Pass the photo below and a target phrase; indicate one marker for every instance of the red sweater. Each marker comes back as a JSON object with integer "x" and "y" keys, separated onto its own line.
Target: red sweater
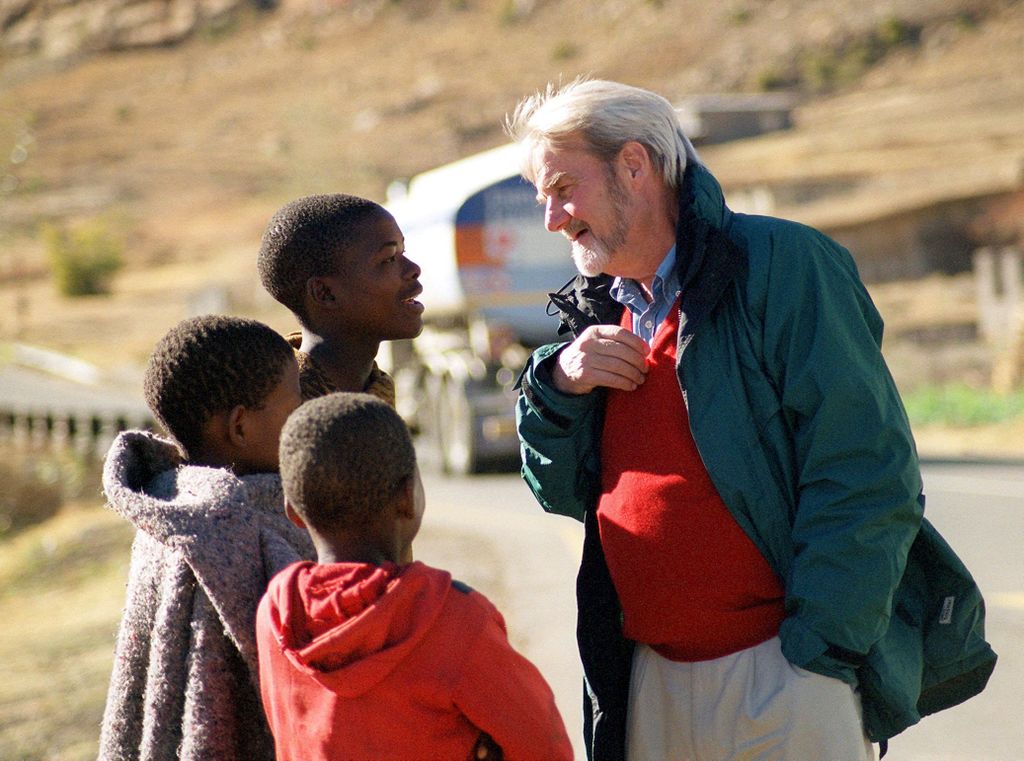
{"x": 395, "y": 662}
{"x": 691, "y": 583}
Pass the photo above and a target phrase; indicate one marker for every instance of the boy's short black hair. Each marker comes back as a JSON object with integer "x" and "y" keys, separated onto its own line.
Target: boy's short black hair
{"x": 302, "y": 239}
{"x": 343, "y": 456}
{"x": 210, "y": 364}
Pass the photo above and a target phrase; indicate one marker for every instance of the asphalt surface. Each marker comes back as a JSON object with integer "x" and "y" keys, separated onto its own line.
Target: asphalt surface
{"x": 979, "y": 509}
{"x": 490, "y": 533}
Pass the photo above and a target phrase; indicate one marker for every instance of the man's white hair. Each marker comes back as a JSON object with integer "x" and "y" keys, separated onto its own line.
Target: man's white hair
{"x": 604, "y": 116}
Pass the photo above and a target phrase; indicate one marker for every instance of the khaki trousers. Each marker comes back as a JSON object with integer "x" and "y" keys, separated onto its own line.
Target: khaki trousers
{"x": 751, "y": 705}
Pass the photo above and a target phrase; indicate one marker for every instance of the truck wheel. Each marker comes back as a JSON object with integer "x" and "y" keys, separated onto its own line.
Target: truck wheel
{"x": 456, "y": 429}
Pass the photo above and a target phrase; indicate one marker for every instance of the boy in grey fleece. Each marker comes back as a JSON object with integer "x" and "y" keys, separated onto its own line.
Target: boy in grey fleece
{"x": 208, "y": 507}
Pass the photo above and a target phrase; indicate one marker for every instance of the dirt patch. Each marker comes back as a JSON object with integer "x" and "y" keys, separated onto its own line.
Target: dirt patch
{"x": 1005, "y": 440}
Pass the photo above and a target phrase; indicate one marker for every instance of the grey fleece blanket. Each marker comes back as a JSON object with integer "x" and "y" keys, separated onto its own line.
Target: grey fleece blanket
{"x": 185, "y": 678}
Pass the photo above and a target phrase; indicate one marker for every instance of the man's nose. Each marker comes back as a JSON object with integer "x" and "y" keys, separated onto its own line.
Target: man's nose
{"x": 555, "y": 216}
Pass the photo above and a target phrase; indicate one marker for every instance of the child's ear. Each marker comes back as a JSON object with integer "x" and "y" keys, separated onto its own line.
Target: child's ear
{"x": 405, "y": 500}
{"x": 293, "y": 516}
{"x": 236, "y": 424}
{"x": 320, "y": 291}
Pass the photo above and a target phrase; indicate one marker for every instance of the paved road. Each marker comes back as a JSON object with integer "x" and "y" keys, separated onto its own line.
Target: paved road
{"x": 980, "y": 511}
{"x": 491, "y": 534}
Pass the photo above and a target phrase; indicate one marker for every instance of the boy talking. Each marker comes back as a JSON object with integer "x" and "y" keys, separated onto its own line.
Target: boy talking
{"x": 338, "y": 263}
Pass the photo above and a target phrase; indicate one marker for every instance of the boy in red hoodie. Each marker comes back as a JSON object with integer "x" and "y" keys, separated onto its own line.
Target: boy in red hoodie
{"x": 363, "y": 656}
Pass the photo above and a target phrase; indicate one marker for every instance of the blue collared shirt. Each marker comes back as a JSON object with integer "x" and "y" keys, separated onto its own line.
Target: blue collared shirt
{"x": 665, "y": 289}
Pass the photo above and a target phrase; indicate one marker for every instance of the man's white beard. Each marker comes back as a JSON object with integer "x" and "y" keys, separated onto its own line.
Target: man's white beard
{"x": 590, "y": 261}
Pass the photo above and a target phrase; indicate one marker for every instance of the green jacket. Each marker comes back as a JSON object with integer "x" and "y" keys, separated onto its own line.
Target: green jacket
{"x": 803, "y": 433}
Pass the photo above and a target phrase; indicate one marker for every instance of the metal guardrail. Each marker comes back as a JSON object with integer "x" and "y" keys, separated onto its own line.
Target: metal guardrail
{"x": 49, "y": 401}
{"x": 88, "y": 435}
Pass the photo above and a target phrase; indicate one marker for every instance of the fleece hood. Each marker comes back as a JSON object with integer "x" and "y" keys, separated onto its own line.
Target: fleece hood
{"x": 230, "y": 530}
{"x": 349, "y": 625}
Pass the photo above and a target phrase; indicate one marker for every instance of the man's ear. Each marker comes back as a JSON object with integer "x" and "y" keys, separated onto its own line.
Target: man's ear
{"x": 320, "y": 291}
{"x": 293, "y": 516}
{"x": 634, "y": 159}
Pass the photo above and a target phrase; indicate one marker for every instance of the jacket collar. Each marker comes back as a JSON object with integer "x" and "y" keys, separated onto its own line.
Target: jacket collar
{"x": 709, "y": 260}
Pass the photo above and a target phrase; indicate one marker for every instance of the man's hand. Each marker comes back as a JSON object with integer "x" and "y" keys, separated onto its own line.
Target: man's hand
{"x": 603, "y": 355}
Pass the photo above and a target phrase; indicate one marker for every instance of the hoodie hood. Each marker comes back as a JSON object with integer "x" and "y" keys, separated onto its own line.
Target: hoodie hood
{"x": 230, "y": 530}
{"x": 349, "y": 625}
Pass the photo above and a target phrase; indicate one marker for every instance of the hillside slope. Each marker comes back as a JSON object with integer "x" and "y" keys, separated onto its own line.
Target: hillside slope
{"x": 185, "y": 151}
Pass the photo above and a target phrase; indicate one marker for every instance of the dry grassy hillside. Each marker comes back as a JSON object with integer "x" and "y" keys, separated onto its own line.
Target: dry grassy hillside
{"x": 185, "y": 151}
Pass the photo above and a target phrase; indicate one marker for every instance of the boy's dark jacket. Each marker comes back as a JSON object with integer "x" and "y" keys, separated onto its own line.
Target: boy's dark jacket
{"x": 803, "y": 433}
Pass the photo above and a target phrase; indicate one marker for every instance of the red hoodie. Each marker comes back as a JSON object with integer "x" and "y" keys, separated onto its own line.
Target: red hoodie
{"x": 395, "y": 662}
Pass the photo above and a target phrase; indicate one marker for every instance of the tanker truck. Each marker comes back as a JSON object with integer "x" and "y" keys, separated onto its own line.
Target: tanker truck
{"x": 477, "y": 231}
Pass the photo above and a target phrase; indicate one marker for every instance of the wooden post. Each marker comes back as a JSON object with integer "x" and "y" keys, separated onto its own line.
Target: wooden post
{"x": 1004, "y": 312}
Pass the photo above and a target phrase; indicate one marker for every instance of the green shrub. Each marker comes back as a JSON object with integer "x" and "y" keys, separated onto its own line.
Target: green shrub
{"x": 824, "y": 69}
{"x": 564, "y": 50}
{"x": 740, "y": 15}
{"x": 960, "y": 405}
{"x": 894, "y": 31}
{"x": 83, "y": 259}
{"x": 773, "y": 78}
{"x": 38, "y": 483}
{"x": 29, "y": 497}
{"x": 220, "y": 28}
{"x": 967, "y": 21}
{"x": 511, "y": 12}
{"x": 26, "y": 501}
{"x": 818, "y": 70}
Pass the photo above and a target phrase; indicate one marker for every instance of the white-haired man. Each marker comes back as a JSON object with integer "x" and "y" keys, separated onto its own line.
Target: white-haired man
{"x": 725, "y": 426}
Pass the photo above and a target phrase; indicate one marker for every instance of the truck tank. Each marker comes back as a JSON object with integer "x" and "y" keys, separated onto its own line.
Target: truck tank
{"x": 488, "y": 264}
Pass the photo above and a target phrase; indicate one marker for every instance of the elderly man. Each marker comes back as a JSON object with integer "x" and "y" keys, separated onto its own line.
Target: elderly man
{"x": 724, "y": 424}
